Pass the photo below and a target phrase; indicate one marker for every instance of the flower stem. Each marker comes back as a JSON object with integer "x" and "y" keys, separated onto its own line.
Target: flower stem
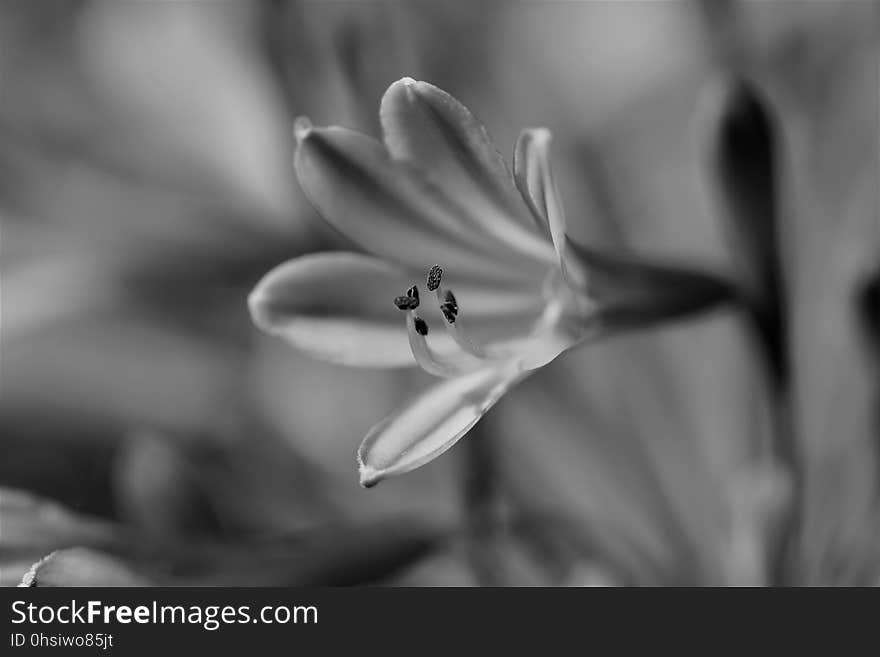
{"x": 479, "y": 495}
{"x": 771, "y": 333}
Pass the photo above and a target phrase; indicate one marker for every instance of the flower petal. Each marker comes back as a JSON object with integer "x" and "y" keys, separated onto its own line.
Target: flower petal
{"x": 80, "y": 566}
{"x": 337, "y": 307}
{"x": 631, "y": 292}
{"x": 391, "y": 210}
{"x": 432, "y": 422}
{"x": 429, "y": 128}
{"x": 537, "y": 351}
{"x": 534, "y": 179}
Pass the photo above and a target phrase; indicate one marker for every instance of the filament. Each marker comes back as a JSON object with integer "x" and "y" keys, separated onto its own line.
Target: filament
{"x": 449, "y": 309}
{"x": 428, "y": 359}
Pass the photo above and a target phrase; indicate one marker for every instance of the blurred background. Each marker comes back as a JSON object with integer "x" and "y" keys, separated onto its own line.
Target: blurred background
{"x": 152, "y": 434}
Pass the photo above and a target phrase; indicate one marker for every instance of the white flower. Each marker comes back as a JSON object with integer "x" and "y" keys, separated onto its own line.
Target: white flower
{"x": 505, "y": 291}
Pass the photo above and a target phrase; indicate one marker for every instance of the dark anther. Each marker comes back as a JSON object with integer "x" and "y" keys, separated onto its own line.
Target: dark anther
{"x": 421, "y": 326}
{"x": 403, "y": 302}
{"x": 449, "y": 298}
{"x": 449, "y": 307}
{"x": 434, "y": 277}
{"x": 413, "y": 293}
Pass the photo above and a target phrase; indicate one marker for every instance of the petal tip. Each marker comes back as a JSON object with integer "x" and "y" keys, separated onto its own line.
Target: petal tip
{"x": 413, "y": 89}
{"x": 302, "y": 126}
{"x": 255, "y": 301}
{"x": 403, "y": 90}
{"x": 258, "y": 304}
{"x": 369, "y": 476}
{"x": 539, "y": 134}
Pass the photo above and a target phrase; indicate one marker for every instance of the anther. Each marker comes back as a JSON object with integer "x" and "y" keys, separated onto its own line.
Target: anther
{"x": 421, "y": 326}
{"x": 433, "y": 362}
{"x": 403, "y": 302}
{"x": 449, "y": 307}
{"x": 408, "y": 301}
{"x": 449, "y": 300}
{"x": 435, "y": 275}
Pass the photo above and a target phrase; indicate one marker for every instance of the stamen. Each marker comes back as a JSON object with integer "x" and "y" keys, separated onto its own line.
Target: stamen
{"x": 403, "y": 302}
{"x": 408, "y": 301}
{"x": 435, "y": 275}
{"x": 427, "y": 358}
{"x": 455, "y": 330}
{"x": 449, "y": 307}
{"x": 420, "y": 325}
{"x": 417, "y": 331}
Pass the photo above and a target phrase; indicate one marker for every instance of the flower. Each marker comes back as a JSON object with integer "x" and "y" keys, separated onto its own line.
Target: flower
{"x": 505, "y": 290}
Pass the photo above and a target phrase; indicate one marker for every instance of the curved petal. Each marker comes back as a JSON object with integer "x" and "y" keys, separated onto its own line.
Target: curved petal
{"x": 538, "y": 351}
{"x": 534, "y": 179}
{"x": 337, "y": 307}
{"x": 81, "y": 566}
{"x": 431, "y": 423}
{"x": 564, "y": 324}
{"x": 531, "y": 173}
{"x": 429, "y": 128}
{"x": 390, "y": 209}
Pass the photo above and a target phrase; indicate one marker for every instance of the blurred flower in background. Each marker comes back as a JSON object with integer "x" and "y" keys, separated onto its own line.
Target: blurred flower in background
{"x": 151, "y": 435}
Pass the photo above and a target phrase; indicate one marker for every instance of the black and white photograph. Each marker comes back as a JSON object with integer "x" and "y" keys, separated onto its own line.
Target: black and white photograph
{"x": 423, "y": 294}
